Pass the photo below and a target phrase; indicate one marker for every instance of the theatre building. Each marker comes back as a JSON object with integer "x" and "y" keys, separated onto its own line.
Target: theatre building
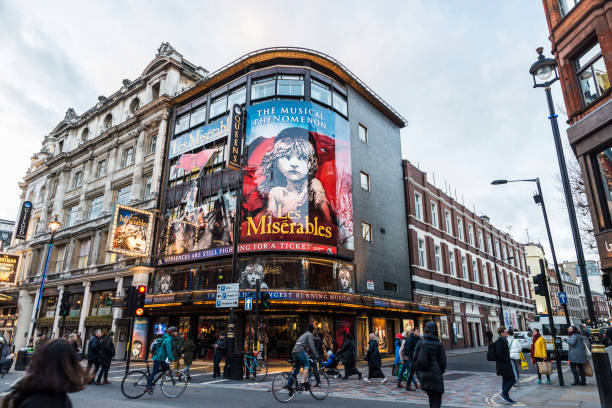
{"x": 321, "y": 224}
{"x": 460, "y": 261}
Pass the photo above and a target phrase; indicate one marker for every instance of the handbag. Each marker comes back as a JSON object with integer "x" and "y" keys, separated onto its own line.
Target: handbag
{"x": 524, "y": 364}
{"x": 588, "y": 369}
{"x": 588, "y": 352}
{"x": 545, "y": 367}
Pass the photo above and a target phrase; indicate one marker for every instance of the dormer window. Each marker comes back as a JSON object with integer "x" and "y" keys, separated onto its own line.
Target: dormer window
{"x": 155, "y": 91}
{"x": 134, "y": 105}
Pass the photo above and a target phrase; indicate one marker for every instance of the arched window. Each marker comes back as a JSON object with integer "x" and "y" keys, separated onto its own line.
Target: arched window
{"x": 84, "y": 134}
{"x": 134, "y": 105}
{"x": 108, "y": 121}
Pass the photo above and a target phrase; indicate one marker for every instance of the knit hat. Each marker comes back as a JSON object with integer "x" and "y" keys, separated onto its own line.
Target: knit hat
{"x": 111, "y": 333}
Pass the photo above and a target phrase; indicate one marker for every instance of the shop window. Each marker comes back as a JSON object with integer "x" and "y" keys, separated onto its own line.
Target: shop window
{"x": 198, "y": 116}
{"x": 98, "y": 303}
{"x": 379, "y": 327}
{"x": 218, "y": 106}
{"x": 604, "y": 180}
{"x": 592, "y": 74}
{"x": 363, "y": 133}
{"x": 290, "y": 85}
{"x": 263, "y": 88}
{"x": 390, "y": 286}
{"x": 320, "y": 92}
{"x": 182, "y": 123}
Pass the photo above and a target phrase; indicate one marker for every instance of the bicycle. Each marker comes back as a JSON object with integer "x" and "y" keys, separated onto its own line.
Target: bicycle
{"x": 318, "y": 390}
{"x": 256, "y": 365}
{"x": 134, "y": 384}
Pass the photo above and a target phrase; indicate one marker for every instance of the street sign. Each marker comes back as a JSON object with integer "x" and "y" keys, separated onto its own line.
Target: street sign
{"x": 562, "y": 298}
{"x": 227, "y": 295}
{"x": 248, "y": 303}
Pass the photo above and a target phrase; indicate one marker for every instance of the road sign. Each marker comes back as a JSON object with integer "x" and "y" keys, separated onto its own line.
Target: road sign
{"x": 562, "y": 298}
{"x": 248, "y": 303}
{"x": 227, "y": 295}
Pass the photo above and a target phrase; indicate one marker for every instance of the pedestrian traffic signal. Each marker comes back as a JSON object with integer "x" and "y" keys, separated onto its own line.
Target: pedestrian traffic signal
{"x": 128, "y": 302}
{"x": 539, "y": 284}
{"x": 265, "y": 299}
{"x": 65, "y": 304}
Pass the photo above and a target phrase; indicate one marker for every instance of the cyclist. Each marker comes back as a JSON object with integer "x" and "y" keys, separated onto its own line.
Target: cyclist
{"x": 304, "y": 344}
{"x": 162, "y": 354}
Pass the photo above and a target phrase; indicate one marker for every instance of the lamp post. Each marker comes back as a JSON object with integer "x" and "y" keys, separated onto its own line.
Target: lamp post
{"x": 53, "y": 227}
{"x": 539, "y": 199}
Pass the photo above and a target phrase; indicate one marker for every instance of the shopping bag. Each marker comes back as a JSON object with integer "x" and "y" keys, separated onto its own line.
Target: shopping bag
{"x": 588, "y": 369}
{"x": 524, "y": 364}
{"x": 545, "y": 367}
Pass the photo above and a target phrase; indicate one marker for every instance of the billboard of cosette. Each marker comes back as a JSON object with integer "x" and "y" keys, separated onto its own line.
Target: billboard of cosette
{"x": 131, "y": 231}
{"x": 297, "y": 181}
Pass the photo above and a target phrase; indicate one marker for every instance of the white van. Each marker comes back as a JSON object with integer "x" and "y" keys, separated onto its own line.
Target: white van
{"x": 561, "y": 325}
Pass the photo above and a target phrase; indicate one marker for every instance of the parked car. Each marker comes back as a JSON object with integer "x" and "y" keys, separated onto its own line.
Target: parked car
{"x": 524, "y": 338}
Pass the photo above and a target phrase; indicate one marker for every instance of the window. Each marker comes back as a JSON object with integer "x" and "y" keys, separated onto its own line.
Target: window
{"x": 422, "y": 253}
{"x": 485, "y": 275}
{"x": 475, "y": 271}
{"x": 363, "y": 133}
{"x": 451, "y": 262}
{"x": 95, "y": 207}
{"x": 489, "y": 245}
{"x": 182, "y": 123}
{"x": 98, "y": 303}
{"x": 418, "y": 206}
{"x": 290, "y": 85}
{"x": 392, "y": 287}
{"x": 494, "y": 277}
{"x": 502, "y": 280}
{"x": 365, "y": 181}
{"x": 128, "y": 156}
{"x": 71, "y": 215}
{"x": 108, "y": 121}
{"x": 218, "y": 106}
{"x": 320, "y": 92}
{"x": 447, "y": 220}
{"x": 366, "y": 230}
{"x": 60, "y": 147}
{"x": 60, "y": 253}
{"x": 262, "y": 88}
{"x": 339, "y": 103}
{"x": 83, "y": 253}
{"x": 434, "y": 214}
{"x": 122, "y": 195}
{"x": 464, "y": 267}
{"x": 505, "y": 253}
{"x": 198, "y": 116}
{"x": 101, "y": 170}
{"x": 134, "y": 105}
{"x": 592, "y": 74}
{"x": 480, "y": 240}
{"x": 236, "y": 96}
{"x": 78, "y": 179}
{"x": 153, "y": 144}
{"x": 458, "y": 326}
{"x": 84, "y": 134}
{"x": 148, "y": 181}
{"x": 444, "y": 327}
{"x": 438, "y": 258}
{"x": 567, "y": 5}
{"x": 471, "y": 234}
{"x": 497, "y": 250}
{"x": 460, "y": 228}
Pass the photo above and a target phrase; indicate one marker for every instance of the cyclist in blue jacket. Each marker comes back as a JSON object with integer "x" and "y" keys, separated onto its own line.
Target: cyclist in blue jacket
{"x": 162, "y": 355}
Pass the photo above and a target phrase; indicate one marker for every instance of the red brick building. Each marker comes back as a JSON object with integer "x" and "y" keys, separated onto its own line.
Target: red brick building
{"x": 455, "y": 259}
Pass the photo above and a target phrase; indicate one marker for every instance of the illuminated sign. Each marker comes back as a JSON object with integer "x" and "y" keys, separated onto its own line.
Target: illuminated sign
{"x": 237, "y": 124}
{"x": 131, "y": 231}
{"x": 24, "y": 220}
{"x": 8, "y": 268}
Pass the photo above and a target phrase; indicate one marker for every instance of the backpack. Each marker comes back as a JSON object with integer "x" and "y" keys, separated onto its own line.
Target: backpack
{"x": 491, "y": 352}
{"x": 155, "y": 345}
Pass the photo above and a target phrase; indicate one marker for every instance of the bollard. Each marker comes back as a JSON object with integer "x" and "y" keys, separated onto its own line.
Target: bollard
{"x": 601, "y": 368}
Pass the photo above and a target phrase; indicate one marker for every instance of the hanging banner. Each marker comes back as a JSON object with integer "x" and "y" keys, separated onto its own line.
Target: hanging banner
{"x": 131, "y": 231}
{"x": 139, "y": 338}
{"x": 8, "y": 268}
{"x": 237, "y": 125}
{"x": 24, "y": 220}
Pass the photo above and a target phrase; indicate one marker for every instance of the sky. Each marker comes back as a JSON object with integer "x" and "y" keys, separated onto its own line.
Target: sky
{"x": 458, "y": 71}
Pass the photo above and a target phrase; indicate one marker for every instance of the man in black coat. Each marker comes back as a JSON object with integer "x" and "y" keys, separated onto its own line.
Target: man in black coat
{"x": 430, "y": 363}
{"x": 93, "y": 354}
{"x": 349, "y": 357}
{"x": 503, "y": 364}
{"x": 107, "y": 352}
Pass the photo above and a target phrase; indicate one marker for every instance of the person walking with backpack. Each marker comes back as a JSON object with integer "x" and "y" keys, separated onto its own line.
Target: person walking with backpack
{"x": 107, "y": 352}
{"x": 163, "y": 352}
{"x": 93, "y": 355}
{"x": 177, "y": 350}
{"x": 374, "y": 361}
{"x": 577, "y": 355}
{"x": 348, "y": 355}
{"x": 503, "y": 364}
{"x": 515, "y": 355}
{"x": 430, "y": 363}
{"x": 188, "y": 353}
{"x": 538, "y": 353}
{"x": 408, "y": 353}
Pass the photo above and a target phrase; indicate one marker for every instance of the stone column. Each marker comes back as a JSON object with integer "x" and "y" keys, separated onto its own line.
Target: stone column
{"x": 25, "y": 306}
{"x": 58, "y": 201}
{"x": 55, "y": 331}
{"x": 69, "y": 255}
{"x": 157, "y": 165}
{"x": 107, "y": 206}
{"x": 84, "y": 308}
{"x": 82, "y": 217}
{"x": 42, "y": 224}
{"x": 117, "y": 310}
{"x": 137, "y": 185}
{"x": 95, "y": 250}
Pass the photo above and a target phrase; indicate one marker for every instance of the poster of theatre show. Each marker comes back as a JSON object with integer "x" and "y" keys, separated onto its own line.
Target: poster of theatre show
{"x": 131, "y": 231}
{"x": 297, "y": 181}
{"x": 139, "y": 338}
{"x": 8, "y": 268}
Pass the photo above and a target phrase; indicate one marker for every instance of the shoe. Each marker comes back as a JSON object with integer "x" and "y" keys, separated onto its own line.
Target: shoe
{"x": 287, "y": 387}
{"x": 507, "y": 400}
{"x": 360, "y": 375}
{"x": 106, "y": 382}
{"x": 149, "y": 390}
{"x": 539, "y": 382}
{"x": 409, "y": 388}
{"x": 366, "y": 379}
{"x": 188, "y": 378}
{"x": 399, "y": 385}
{"x": 548, "y": 382}
{"x": 513, "y": 401}
{"x": 384, "y": 380}
{"x": 97, "y": 383}
{"x": 418, "y": 386}
{"x": 576, "y": 383}
{"x": 584, "y": 383}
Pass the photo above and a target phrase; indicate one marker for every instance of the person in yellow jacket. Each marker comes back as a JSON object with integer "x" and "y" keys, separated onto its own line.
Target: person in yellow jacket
{"x": 538, "y": 353}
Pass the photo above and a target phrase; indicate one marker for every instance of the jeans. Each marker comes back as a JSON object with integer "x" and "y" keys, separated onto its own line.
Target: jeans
{"x": 299, "y": 360}
{"x": 186, "y": 369}
{"x": 435, "y": 399}
{"x": 516, "y": 367}
{"x": 158, "y": 367}
{"x": 103, "y": 372}
{"x": 411, "y": 377}
{"x": 96, "y": 365}
{"x": 216, "y": 364}
{"x": 578, "y": 368}
{"x": 507, "y": 383}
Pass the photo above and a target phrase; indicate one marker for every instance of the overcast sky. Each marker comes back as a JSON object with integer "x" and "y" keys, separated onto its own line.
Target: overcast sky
{"x": 456, "y": 70}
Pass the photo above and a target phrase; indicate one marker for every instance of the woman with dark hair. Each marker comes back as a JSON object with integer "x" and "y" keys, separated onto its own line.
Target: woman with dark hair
{"x": 430, "y": 363}
{"x": 53, "y": 372}
{"x": 374, "y": 361}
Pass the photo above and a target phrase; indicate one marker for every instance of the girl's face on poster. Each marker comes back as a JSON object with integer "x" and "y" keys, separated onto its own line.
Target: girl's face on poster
{"x": 294, "y": 164}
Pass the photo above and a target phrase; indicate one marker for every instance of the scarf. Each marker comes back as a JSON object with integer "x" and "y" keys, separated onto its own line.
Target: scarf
{"x": 533, "y": 342}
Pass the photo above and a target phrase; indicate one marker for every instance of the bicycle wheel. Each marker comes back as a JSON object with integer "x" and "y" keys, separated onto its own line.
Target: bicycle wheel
{"x": 134, "y": 385}
{"x": 173, "y": 383}
{"x": 261, "y": 370}
{"x": 278, "y": 388}
{"x": 318, "y": 392}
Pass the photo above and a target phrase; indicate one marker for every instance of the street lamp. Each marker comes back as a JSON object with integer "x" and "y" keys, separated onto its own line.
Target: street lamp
{"x": 53, "y": 226}
{"x": 539, "y": 199}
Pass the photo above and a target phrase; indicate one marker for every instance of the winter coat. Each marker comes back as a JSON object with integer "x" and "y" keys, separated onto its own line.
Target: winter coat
{"x": 503, "y": 364}
{"x": 164, "y": 350}
{"x": 515, "y": 348}
{"x": 410, "y": 346}
{"x": 373, "y": 355}
{"x": 107, "y": 351}
{"x": 188, "y": 351}
{"x": 42, "y": 399}
{"x": 577, "y": 352}
{"x": 93, "y": 351}
{"x": 347, "y": 352}
{"x": 398, "y": 346}
{"x": 539, "y": 348}
{"x": 221, "y": 345}
{"x": 5, "y": 351}
{"x": 318, "y": 345}
{"x": 430, "y": 363}
{"x": 177, "y": 347}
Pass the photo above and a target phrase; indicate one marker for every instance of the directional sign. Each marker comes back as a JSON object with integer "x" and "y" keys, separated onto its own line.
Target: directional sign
{"x": 227, "y": 295}
{"x": 562, "y": 298}
{"x": 248, "y": 303}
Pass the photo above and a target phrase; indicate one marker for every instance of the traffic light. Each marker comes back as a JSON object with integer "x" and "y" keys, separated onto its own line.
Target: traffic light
{"x": 265, "y": 299}
{"x": 141, "y": 294}
{"x": 539, "y": 284}
{"x": 65, "y": 304}
{"x": 127, "y": 304}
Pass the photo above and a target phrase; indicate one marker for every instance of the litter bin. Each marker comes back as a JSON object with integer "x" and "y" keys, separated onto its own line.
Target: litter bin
{"x": 237, "y": 366}
{"x": 20, "y": 362}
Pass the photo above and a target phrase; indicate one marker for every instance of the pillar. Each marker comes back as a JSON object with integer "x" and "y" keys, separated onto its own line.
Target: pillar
{"x": 136, "y": 191}
{"x": 95, "y": 250}
{"x": 25, "y": 306}
{"x": 58, "y": 201}
{"x": 55, "y": 330}
{"x": 42, "y": 224}
{"x": 107, "y": 206}
{"x": 117, "y": 310}
{"x": 84, "y": 308}
{"x": 157, "y": 164}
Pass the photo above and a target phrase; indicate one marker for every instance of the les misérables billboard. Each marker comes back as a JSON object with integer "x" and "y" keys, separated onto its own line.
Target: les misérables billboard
{"x": 131, "y": 231}
{"x": 297, "y": 181}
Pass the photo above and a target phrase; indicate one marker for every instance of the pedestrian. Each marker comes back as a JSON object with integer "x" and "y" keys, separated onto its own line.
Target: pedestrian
{"x": 220, "y": 347}
{"x": 577, "y": 355}
{"x": 538, "y": 353}
{"x": 177, "y": 350}
{"x": 107, "y": 352}
{"x": 489, "y": 335}
{"x": 374, "y": 361}
{"x": 73, "y": 340}
{"x": 93, "y": 354}
{"x": 162, "y": 351}
{"x": 6, "y": 360}
{"x": 397, "y": 363}
{"x": 409, "y": 347}
{"x": 503, "y": 364}
{"x": 430, "y": 363}
{"x": 53, "y": 373}
{"x": 515, "y": 355}
{"x": 348, "y": 355}
{"x": 188, "y": 353}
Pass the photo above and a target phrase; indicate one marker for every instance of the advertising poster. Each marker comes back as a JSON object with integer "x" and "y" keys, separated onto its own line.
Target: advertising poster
{"x": 297, "y": 181}
{"x": 139, "y": 338}
{"x": 8, "y": 268}
{"x": 379, "y": 325}
{"x": 344, "y": 326}
{"x": 131, "y": 231}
